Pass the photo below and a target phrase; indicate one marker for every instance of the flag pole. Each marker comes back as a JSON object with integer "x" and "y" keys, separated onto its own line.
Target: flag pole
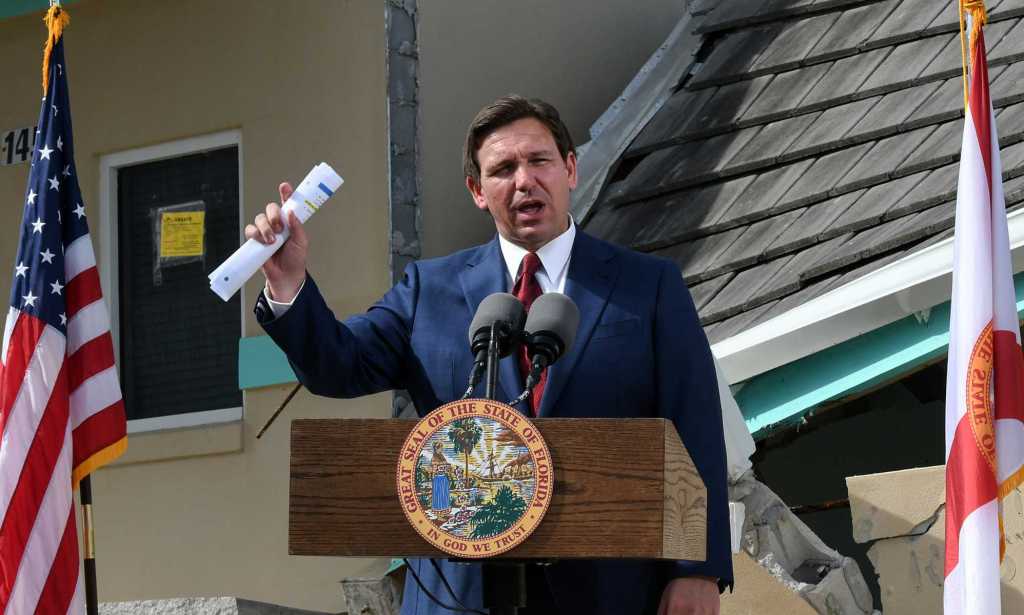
{"x": 55, "y": 20}
{"x": 88, "y": 547}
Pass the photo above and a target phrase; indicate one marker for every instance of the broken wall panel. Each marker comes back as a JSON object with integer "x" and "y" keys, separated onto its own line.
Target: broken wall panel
{"x": 900, "y": 516}
{"x": 808, "y": 465}
{"x": 792, "y": 554}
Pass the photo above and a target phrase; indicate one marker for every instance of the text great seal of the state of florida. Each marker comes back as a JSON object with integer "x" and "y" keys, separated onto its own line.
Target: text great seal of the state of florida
{"x": 475, "y": 478}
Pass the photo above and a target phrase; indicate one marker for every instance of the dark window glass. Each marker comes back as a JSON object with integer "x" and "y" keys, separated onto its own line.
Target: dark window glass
{"x": 179, "y": 341}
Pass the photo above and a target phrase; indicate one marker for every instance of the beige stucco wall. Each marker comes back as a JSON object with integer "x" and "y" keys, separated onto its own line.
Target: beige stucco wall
{"x": 902, "y": 515}
{"x": 303, "y": 81}
{"x": 576, "y": 54}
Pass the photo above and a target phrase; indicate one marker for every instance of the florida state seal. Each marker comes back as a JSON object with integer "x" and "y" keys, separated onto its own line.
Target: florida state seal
{"x": 979, "y": 396}
{"x": 475, "y": 478}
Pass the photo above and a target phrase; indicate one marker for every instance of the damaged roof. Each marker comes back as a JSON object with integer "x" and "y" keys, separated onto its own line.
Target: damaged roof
{"x": 810, "y": 143}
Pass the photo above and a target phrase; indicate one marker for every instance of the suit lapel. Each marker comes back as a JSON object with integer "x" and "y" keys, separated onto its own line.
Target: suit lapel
{"x": 484, "y": 275}
{"x": 592, "y": 273}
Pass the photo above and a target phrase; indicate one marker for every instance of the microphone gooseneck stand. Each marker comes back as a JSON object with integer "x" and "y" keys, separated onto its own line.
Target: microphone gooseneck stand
{"x": 504, "y": 583}
{"x": 492, "y": 363}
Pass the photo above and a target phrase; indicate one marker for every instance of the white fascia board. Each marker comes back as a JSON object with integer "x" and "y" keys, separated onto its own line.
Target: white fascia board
{"x": 910, "y": 285}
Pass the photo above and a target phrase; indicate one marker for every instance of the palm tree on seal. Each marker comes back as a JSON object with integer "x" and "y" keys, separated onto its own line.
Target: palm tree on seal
{"x": 499, "y": 514}
{"x": 464, "y": 434}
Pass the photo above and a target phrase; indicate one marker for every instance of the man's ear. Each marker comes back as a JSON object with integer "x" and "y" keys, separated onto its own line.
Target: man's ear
{"x": 570, "y": 165}
{"x": 473, "y": 186}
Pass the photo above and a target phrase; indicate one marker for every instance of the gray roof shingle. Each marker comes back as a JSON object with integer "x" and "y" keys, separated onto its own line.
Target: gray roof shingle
{"x": 811, "y": 144}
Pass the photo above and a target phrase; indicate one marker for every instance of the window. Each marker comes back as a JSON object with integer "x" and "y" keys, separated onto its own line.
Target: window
{"x": 172, "y": 217}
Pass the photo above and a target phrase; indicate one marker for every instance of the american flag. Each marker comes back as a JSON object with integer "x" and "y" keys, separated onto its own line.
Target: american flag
{"x": 61, "y": 412}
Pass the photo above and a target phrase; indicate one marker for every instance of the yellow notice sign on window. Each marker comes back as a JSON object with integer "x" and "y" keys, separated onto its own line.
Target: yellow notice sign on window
{"x": 181, "y": 233}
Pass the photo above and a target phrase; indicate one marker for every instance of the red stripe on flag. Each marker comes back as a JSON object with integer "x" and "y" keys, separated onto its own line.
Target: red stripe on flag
{"x": 970, "y": 483}
{"x": 82, "y": 290}
{"x": 90, "y": 359}
{"x": 35, "y": 477}
{"x": 980, "y": 105}
{"x": 1008, "y": 371}
{"x": 98, "y": 432}
{"x": 21, "y": 347}
{"x": 59, "y": 588}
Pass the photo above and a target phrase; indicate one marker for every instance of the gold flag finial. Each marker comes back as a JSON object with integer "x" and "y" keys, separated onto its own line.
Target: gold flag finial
{"x": 56, "y": 19}
{"x": 979, "y": 17}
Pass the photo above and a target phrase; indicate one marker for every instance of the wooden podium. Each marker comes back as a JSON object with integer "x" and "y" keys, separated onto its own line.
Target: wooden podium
{"x": 624, "y": 488}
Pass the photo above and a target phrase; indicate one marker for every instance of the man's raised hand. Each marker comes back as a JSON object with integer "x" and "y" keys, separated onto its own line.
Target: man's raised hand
{"x": 286, "y": 269}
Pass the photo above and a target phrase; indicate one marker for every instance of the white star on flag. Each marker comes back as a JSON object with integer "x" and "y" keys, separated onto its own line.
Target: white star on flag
{"x": 65, "y": 415}
{"x": 79, "y": 210}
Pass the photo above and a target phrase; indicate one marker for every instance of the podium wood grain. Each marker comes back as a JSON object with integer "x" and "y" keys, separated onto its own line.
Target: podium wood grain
{"x": 624, "y": 488}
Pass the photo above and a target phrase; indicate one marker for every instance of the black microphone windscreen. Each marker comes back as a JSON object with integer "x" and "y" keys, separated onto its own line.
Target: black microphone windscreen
{"x": 499, "y": 307}
{"x": 557, "y": 314}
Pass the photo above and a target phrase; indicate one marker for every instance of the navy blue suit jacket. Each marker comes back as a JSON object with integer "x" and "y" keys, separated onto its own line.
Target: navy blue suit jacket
{"x": 639, "y": 352}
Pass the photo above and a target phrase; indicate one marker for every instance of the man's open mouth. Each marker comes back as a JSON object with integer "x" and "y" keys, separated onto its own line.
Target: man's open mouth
{"x": 530, "y": 207}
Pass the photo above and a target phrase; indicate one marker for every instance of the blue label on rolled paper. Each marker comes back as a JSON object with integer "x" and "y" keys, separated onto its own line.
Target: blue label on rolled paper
{"x": 325, "y": 189}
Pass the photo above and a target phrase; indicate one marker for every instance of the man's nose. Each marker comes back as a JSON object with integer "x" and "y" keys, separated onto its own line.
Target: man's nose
{"x": 524, "y": 178}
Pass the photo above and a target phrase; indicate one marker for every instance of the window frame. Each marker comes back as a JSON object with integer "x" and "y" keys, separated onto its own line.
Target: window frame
{"x": 107, "y": 233}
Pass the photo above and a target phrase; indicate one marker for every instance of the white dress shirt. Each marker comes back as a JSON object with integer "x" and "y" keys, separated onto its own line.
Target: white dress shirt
{"x": 554, "y": 266}
{"x": 554, "y": 260}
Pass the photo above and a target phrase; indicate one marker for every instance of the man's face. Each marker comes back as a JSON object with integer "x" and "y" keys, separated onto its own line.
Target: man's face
{"x": 524, "y": 183}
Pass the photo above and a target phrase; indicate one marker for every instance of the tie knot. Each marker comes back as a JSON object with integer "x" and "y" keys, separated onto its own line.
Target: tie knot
{"x": 530, "y": 266}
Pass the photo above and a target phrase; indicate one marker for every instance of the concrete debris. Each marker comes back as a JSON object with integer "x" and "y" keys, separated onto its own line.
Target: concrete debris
{"x": 902, "y": 515}
{"x": 372, "y": 596}
{"x": 783, "y": 545}
{"x": 739, "y": 444}
{"x": 199, "y": 606}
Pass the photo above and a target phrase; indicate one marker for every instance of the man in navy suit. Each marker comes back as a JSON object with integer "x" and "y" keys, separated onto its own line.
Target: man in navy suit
{"x": 639, "y": 351}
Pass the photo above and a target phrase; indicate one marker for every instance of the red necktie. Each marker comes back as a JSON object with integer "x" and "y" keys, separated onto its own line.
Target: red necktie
{"x": 527, "y": 289}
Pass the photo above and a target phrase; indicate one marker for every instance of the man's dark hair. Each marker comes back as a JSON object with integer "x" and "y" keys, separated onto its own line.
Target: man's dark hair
{"x": 504, "y": 111}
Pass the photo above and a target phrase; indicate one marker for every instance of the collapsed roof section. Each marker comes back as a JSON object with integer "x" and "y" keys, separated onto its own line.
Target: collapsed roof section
{"x": 807, "y": 144}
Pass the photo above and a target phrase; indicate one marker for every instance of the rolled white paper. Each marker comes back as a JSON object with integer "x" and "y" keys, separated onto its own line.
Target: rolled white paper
{"x": 308, "y": 198}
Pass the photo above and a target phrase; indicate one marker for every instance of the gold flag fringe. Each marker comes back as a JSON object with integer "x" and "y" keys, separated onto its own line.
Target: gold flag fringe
{"x": 56, "y": 19}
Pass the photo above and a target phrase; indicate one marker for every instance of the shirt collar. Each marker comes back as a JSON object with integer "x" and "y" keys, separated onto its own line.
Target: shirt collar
{"x": 554, "y": 255}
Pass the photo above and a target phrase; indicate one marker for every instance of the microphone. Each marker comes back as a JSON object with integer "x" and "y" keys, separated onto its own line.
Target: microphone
{"x": 550, "y": 332}
{"x": 503, "y": 314}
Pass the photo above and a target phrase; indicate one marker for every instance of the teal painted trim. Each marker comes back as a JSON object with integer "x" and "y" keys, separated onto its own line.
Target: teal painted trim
{"x": 784, "y": 395}
{"x": 16, "y": 8}
{"x": 396, "y": 564}
{"x": 261, "y": 363}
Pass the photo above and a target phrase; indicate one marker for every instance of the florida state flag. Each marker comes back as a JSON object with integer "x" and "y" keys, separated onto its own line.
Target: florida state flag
{"x": 984, "y": 415}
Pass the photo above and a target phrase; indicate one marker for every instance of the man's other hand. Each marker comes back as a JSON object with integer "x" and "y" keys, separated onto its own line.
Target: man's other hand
{"x": 690, "y": 596}
{"x": 286, "y": 269}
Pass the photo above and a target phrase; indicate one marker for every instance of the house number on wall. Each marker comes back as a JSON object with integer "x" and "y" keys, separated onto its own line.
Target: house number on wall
{"x": 16, "y": 145}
